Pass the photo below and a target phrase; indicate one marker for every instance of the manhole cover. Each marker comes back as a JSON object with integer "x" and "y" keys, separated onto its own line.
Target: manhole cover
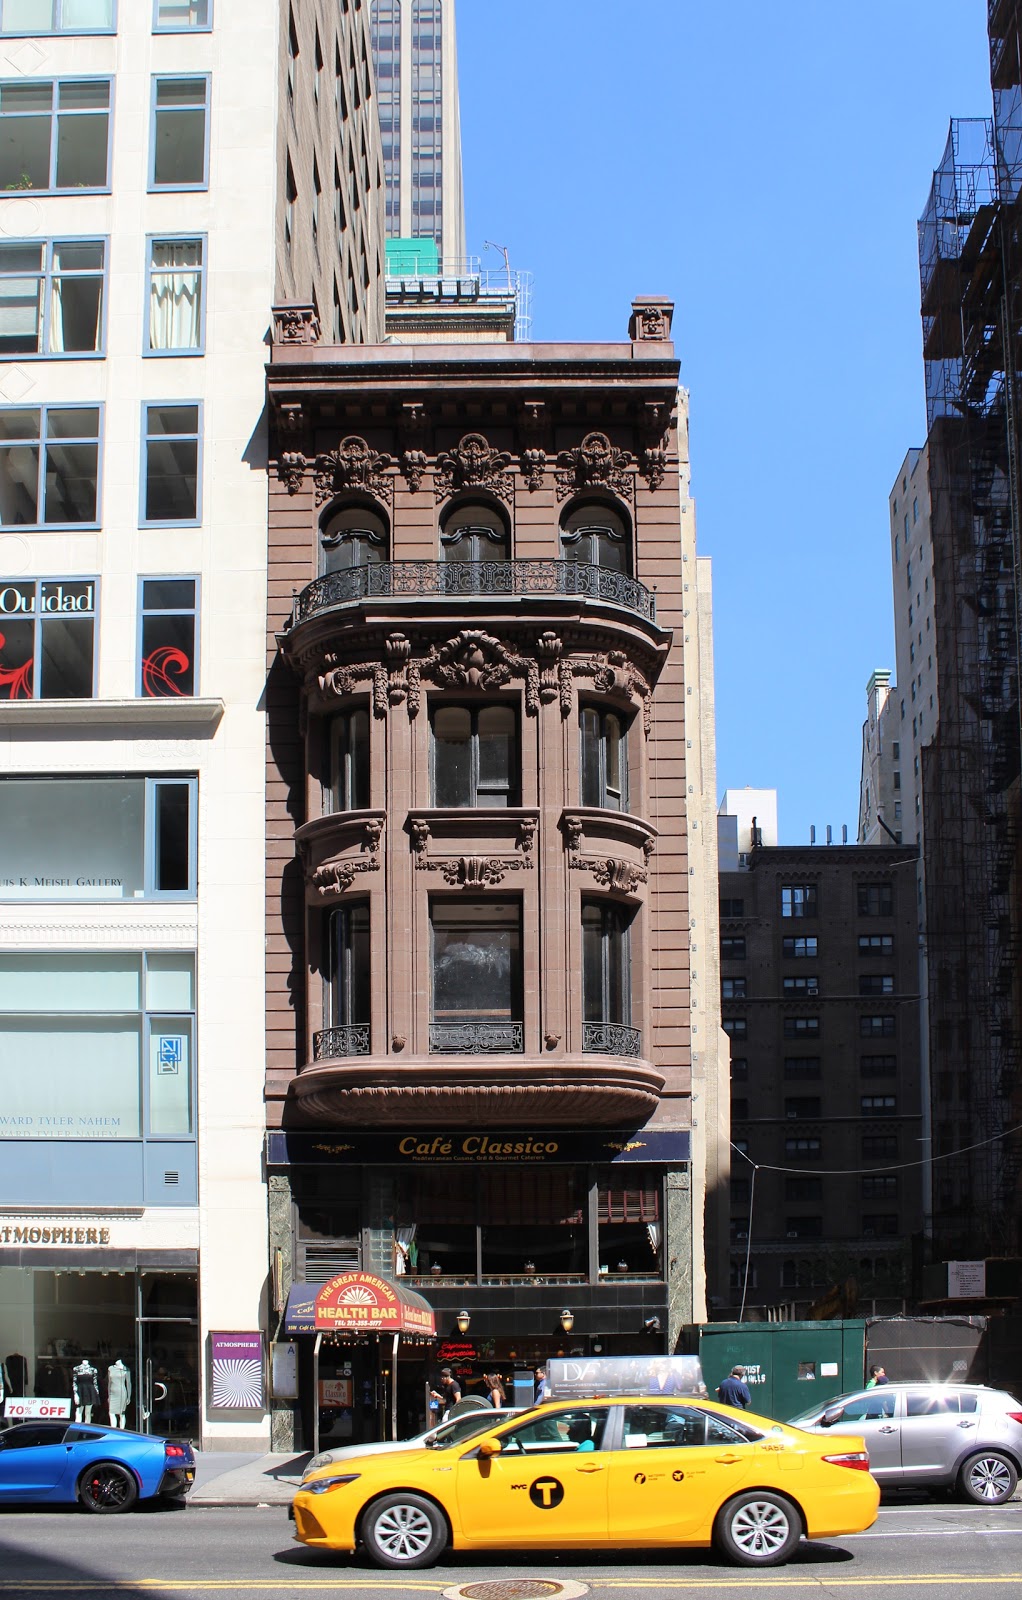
{"x": 511, "y": 1589}
{"x": 519, "y": 1589}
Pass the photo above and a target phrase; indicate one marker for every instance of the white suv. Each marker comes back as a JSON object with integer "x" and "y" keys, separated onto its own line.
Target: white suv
{"x": 932, "y": 1435}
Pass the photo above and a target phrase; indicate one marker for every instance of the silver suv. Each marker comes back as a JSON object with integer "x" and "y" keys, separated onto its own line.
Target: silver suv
{"x": 932, "y": 1435}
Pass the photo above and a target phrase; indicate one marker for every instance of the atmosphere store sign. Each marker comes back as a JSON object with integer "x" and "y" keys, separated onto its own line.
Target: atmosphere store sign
{"x": 53, "y": 1231}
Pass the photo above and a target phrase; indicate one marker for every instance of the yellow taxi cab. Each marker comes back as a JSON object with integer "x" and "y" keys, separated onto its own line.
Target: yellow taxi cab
{"x": 612, "y": 1474}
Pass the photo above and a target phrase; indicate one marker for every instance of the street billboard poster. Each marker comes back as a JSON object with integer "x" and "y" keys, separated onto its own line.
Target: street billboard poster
{"x": 593, "y": 1377}
{"x": 236, "y": 1371}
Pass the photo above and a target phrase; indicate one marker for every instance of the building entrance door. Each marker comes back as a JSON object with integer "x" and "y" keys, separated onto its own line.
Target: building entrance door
{"x": 168, "y": 1369}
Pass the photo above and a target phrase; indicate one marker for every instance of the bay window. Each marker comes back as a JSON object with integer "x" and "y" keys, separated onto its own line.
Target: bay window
{"x": 604, "y": 758}
{"x": 474, "y": 755}
{"x": 606, "y": 996}
{"x": 477, "y": 976}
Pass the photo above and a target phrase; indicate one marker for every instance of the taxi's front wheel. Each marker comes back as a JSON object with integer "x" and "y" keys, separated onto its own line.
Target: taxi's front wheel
{"x": 758, "y": 1529}
{"x": 404, "y": 1530}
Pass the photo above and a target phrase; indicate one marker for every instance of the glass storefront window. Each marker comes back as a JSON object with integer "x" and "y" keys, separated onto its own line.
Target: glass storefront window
{"x": 52, "y": 1320}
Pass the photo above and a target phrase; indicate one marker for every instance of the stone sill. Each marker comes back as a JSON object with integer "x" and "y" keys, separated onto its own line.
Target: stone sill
{"x": 153, "y": 716}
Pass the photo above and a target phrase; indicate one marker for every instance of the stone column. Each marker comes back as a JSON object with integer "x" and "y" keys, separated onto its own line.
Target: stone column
{"x": 678, "y": 1253}
{"x": 283, "y": 1413}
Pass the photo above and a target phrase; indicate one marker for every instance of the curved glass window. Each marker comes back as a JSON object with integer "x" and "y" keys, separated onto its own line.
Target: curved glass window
{"x": 605, "y": 963}
{"x": 349, "y": 999}
{"x": 598, "y": 536}
{"x": 349, "y": 760}
{"x": 604, "y": 759}
{"x": 353, "y": 538}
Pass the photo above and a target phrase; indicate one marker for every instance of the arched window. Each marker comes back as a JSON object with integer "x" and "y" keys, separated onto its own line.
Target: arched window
{"x": 598, "y": 536}
{"x": 353, "y": 537}
{"x": 475, "y": 533}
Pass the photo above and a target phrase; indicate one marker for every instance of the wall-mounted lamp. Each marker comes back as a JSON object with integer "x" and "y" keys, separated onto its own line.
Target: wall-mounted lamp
{"x": 464, "y": 1321}
{"x": 567, "y": 1320}
{"x": 651, "y": 1325}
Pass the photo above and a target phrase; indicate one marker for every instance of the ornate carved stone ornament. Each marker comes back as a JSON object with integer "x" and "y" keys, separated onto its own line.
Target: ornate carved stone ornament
{"x": 414, "y": 461}
{"x": 653, "y": 464}
{"x": 296, "y": 324}
{"x": 291, "y": 469}
{"x": 353, "y": 465}
{"x": 333, "y": 877}
{"x": 343, "y": 680}
{"x": 594, "y": 464}
{"x": 474, "y": 660}
{"x": 473, "y": 465}
{"x": 609, "y": 871}
{"x": 290, "y": 418}
{"x": 613, "y": 874}
{"x": 533, "y": 464}
{"x": 413, "y": 466}
{"x": 613, "y": 671}
{"x": 474, "y": 872}
{"x": 651, "y": 319}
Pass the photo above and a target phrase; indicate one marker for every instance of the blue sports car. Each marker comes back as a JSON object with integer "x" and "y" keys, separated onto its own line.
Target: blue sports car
{"x": 102, "y": 1469}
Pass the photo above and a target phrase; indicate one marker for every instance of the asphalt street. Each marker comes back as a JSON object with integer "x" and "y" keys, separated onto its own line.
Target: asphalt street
{"x": 950, "y": 1550}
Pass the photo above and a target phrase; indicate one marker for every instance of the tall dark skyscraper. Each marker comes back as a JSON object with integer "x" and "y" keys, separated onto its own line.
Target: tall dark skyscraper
{"x": 416, "y": 59}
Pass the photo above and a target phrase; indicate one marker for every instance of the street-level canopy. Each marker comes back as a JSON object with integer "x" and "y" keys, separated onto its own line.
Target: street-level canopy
{"x": 357, "y": 1302}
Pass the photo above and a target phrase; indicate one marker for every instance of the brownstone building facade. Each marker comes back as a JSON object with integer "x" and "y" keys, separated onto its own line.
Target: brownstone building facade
{"x": 479, "y": 1067}
{"x": 820, "y": 997}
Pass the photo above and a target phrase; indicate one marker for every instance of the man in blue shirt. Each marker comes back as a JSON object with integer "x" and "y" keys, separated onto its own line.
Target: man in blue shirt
{"x": 734, "y": 1391}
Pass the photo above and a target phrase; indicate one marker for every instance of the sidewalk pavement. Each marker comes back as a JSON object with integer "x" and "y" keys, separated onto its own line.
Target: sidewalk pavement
{"x": 225, "y": 1478}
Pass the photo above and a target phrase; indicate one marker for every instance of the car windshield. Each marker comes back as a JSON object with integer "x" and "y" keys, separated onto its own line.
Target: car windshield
{"x": 462, "y": 1428}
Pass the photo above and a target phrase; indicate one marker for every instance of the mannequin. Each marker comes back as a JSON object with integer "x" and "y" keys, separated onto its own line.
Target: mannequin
{"x": 118, "y": 1392}
{"x": 85, "y": 1383}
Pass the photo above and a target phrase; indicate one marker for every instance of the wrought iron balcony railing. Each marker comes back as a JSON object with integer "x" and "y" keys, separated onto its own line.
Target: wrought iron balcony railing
{"x": 611, "y": 1039}
{"x": 350, "y": 1039}
{"x": 476, "y": 1038}
{"x": 439, "y": 580}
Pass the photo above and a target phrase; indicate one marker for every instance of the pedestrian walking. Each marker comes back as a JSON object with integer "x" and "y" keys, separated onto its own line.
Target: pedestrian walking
{"x": 495, "y": 1391}
{"x": 540, "y": 1385}
{"x": 449, "y": 1392}
{"x": 877, "y": 1378}
{"x": 734, "y": 1391}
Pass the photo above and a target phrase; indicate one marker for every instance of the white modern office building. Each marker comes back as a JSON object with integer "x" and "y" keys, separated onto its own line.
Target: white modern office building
{"x": 170, "y": 170}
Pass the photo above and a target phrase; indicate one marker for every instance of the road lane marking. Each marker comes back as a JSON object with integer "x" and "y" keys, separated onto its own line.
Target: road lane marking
{"x": 757, "y": 1580}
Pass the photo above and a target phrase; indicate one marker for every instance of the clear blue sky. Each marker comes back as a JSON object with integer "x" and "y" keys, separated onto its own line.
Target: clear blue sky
{"x": 765, "y": 166}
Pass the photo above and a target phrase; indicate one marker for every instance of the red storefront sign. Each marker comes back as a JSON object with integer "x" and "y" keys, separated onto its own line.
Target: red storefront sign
{"x": 359, "y": 1301}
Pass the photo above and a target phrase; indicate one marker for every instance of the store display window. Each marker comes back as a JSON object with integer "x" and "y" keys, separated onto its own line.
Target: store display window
{"x": 120, "y": 1348}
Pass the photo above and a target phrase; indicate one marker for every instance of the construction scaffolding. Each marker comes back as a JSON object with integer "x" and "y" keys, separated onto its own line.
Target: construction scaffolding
{"x": 970, "y": 282}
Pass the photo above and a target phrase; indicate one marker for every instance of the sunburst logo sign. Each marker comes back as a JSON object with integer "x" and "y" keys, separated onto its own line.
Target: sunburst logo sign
{"x": 236, "y": 1371}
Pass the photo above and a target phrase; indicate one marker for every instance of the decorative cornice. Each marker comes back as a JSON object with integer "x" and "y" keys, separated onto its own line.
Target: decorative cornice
{"x": 473, "y": 465}
{"x": 595, "y": 463}
{"x": 353, "y": 465}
